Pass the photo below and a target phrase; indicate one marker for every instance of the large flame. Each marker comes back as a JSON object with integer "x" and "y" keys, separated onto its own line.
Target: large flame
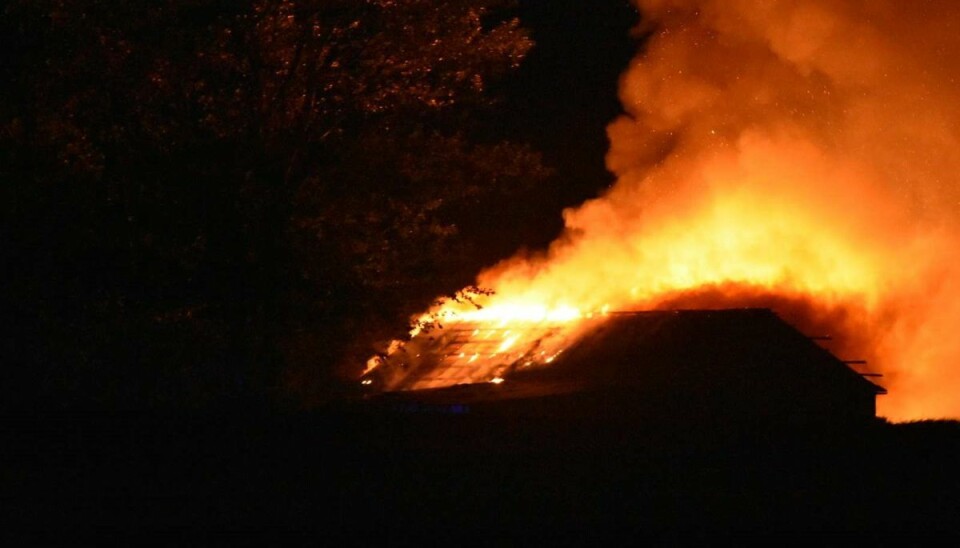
{"x": 801, "y": 156}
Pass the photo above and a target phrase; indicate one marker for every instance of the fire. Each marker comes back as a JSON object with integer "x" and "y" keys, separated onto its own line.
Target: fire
{"x": 801, "y": 157}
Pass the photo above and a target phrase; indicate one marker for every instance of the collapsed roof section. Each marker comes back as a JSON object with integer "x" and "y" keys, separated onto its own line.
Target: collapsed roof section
{"x": 473, "y": 352}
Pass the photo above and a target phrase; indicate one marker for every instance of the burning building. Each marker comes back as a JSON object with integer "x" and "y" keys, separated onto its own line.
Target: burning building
{"x": 769, "y": 153}
{"x": 742, "y": 365}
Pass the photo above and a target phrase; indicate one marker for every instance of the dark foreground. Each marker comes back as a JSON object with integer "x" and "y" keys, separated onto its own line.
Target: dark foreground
{"x": 359, "y": 474}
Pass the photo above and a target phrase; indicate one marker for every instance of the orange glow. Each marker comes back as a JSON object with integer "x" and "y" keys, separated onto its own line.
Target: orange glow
{"x": 800, "y": 156}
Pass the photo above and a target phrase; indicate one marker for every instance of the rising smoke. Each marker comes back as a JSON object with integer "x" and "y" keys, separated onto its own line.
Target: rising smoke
{"x": 799, "y": 155}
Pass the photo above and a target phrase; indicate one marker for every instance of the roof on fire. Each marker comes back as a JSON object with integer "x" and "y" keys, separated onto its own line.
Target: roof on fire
{"x": 741, "y": 350}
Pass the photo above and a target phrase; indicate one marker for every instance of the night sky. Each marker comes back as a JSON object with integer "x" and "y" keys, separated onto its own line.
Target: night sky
{"x": 560, "y": 101}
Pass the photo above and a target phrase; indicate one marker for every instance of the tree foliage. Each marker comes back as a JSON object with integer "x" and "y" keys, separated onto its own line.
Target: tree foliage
{"x": 212, "y": 198}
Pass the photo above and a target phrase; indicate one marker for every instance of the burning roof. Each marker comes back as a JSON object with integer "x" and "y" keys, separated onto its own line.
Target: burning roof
{"x": 468, "y": 352}
{"x": 731, "y": 357}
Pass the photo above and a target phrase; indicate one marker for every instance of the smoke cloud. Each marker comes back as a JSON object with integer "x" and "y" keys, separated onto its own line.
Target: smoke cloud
{"x": 801, "y": 156}
{"x": 842, "y": 113}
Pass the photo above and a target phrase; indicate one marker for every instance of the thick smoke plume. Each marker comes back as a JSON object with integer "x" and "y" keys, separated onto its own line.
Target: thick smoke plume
{"x": 844, "y": 114}
{"x": 825, "y": 133}
{"x": 796, "y": 155}
{"x": 801, "y": 155}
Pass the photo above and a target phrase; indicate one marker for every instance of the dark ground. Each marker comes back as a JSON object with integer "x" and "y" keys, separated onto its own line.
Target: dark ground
{"x": 347, "y": 473}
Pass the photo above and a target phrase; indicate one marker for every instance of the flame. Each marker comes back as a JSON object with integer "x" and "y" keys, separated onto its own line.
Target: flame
{"x": 800, "y": 156}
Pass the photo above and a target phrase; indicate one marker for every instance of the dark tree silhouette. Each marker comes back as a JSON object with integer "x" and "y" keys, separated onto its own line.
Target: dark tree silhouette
{"x": 213, "y": 199}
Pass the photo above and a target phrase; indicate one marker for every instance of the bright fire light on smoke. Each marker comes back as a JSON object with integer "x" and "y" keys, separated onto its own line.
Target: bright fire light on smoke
{"x": 800, "y": 156}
